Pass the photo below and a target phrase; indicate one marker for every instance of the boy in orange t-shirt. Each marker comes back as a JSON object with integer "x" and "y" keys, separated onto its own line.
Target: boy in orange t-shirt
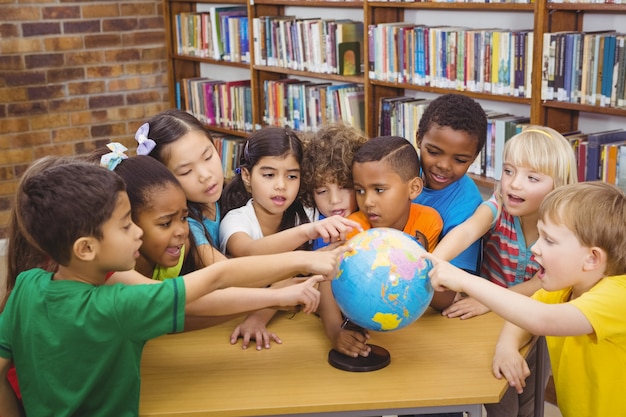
{"x": 386, "y": 178}
{"x": 385, "y": 172}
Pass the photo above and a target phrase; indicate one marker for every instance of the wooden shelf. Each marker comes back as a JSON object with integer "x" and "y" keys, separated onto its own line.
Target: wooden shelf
{"x": 438, "y": 90}
{"x": 547, "y": 16}
{"x": 509, "y": 7}
{"x": 335, "y": 77}
{"x": 483, "y": 182}
{"x": 308, "y": 3}
{"x": 204, "y": 60}
{"x": 615, "y": 111}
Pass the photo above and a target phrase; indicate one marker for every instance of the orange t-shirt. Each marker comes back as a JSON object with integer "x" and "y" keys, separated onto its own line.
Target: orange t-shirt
{"x": 424, "y": 224}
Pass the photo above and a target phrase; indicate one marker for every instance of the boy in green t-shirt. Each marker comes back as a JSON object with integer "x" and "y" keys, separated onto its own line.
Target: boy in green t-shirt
{"x": 76, "y": 343}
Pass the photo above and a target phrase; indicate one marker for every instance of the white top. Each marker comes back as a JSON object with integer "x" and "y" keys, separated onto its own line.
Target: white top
{"x": 242, "y": 219}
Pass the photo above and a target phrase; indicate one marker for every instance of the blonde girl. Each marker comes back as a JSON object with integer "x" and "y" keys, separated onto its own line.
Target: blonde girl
{"x": 536, "y": 161}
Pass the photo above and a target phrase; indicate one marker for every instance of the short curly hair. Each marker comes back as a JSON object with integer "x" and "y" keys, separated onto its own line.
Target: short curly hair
{"x": 328, "y": 155}
{"x": 457, "y": 112}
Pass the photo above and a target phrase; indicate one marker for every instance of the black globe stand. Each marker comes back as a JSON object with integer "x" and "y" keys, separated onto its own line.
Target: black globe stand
{"x": 378, "y": 358}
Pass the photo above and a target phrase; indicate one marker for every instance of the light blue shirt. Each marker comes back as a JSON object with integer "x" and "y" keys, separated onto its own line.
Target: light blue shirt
{"x": 212, "y": 227}
{"x": 456, "y": 203}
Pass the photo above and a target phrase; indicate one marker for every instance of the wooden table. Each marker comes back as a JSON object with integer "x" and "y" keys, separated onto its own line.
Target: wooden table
{"x": 437, "y": 365}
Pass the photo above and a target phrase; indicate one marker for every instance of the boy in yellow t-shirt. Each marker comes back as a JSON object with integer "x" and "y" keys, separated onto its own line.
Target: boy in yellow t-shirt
{"x": 580, "y": 308}
{"x": 385, "y": 172}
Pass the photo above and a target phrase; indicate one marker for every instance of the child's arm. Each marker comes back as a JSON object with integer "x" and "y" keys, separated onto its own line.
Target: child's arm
{"x": 257, "y": 271}
{"x": 535, "y": 317}
{"x": 451, "y": 245}
{"x": 331, "y": 229}
{"x": 466, "y": 233}
{"x": 9, "y": 406}
{"x": 349, "y": 342}
{"x": 232, "y": 300}
{"x": 254, "y": 327}
{"x": 507, "y": 360}
{"x": 468, "y": 307}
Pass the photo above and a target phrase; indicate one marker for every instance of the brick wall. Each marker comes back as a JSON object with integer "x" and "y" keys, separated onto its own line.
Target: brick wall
{"x": 75, "y": 75}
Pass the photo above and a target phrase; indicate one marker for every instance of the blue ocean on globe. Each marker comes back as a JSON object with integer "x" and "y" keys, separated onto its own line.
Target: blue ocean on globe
{"x": 383, "y": 283}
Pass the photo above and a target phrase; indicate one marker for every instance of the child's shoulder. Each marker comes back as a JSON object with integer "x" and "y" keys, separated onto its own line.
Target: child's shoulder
{"x": 422, "y": 211}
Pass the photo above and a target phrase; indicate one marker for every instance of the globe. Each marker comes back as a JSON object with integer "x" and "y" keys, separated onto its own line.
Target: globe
{"x": 383, "y": 283}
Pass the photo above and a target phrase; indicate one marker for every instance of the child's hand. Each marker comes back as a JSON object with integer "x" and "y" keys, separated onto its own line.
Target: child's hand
{"x": 332, "y": 229}
{"x": 510, "y": 364}
{"x": 445, "y": 276}
{"x": 352, "y": 343}
{"x": 325, "y": 263}
{"x": 304, "y": 294}
{"x": 465, "y": 308}
{"x": 253, "y": 329}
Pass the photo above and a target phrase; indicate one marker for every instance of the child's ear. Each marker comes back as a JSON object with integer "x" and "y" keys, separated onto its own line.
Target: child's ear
{"x": 415, "y": 187}
{"x": 245, "y": 177}
{"x": 596, "y": 258}
{"x": 85, "y": 249}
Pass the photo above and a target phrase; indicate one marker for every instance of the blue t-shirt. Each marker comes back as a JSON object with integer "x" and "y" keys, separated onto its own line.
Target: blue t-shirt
{"x": 456, "y": 203}
{"x": 319, "y": 242}
{"x": 213, "y": 227}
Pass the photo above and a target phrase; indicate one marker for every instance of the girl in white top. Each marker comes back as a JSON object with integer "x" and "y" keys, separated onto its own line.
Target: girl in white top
{"x": 262, "y": 213}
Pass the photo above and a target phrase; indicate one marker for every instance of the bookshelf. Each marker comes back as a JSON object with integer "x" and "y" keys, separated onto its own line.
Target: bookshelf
{"x": 539, "y": 17}
{"x": 555, "y": 17}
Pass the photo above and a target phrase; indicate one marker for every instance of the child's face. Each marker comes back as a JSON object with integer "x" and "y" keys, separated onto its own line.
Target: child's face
{"x": 196, "y": 164}
{"x": 562, "y": 259}
{"x": 523, "y": 189}
{"x": 382, "y": 195}
{"x": 445, "y": 156}
{"x": 332, "y": 199}
{"x": 119, "y": 246}
{"x": 164, "y": 224}
{"x": 274, "y": 183}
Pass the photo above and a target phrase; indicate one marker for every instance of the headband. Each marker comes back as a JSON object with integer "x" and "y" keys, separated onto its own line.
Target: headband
{"x": 112, "y": 159}
{"x": 146, "y": 145}
{"x": 543, "y": 132}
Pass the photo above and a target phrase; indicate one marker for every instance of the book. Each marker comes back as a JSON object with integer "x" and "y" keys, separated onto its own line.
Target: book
{"x": 621, "y": 168}
{"x": 608, "y": 69}
{"x": 505, "y": 128}
{"x": 609, "y": 155}
{"x": 219, "y": 27}
{"x": 594, "y": 140}
{"x": 581, "y": 160}
{"x": 349, "y": 57}
{"x": 350, "y": 33}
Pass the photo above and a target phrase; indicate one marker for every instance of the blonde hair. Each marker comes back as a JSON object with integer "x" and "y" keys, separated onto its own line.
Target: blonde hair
{"x": 544, "y": 150}
{"x": 595, "y": 212}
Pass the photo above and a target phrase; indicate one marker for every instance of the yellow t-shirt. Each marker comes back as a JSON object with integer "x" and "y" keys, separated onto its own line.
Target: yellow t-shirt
{"x": 161, "y": 273}
{"x": 423, "y": 220}
{"x": 590, "y": 370}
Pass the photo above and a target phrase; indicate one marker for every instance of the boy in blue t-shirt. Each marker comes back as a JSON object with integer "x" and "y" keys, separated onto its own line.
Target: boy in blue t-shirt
{"x": 451, "y": 133}
{"x": 76, "y": 343}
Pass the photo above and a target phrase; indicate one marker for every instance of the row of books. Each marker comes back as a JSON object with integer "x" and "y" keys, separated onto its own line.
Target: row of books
{"x": 220, "y": 33}
{"x": 305, "y": 106}
{"x": 584, "y": 67}
{"x": 400, "y": 116}
{"x": 225, "y": 104}
{"x": 478, "y": 60}
{"x": 230, "y": 149}
{"x": 317, "y": 45}
{"x": 601, "y": 156}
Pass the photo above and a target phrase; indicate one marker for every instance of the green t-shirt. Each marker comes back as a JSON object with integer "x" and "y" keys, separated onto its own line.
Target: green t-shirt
{"x": 77, "y": 347}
